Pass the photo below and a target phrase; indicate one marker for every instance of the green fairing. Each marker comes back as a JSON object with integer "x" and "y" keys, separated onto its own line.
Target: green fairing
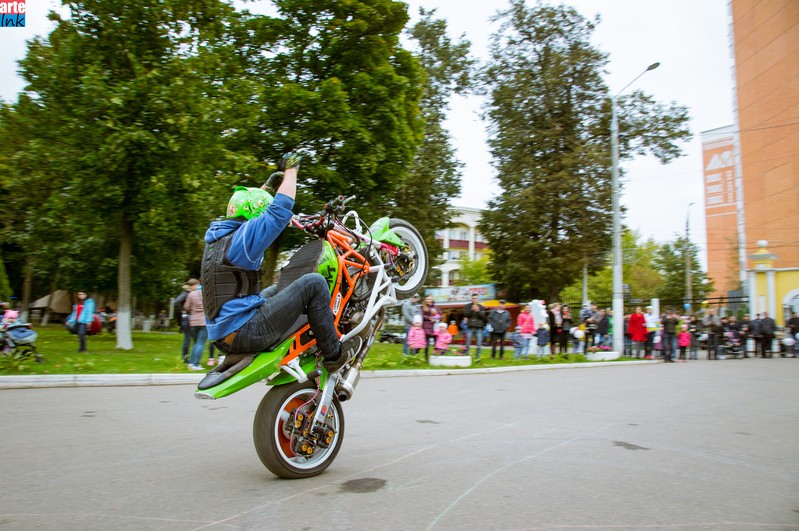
{"x": 328, "y": 265}
{"x": 263, "y": 366}
{"x": 381, "y": 232}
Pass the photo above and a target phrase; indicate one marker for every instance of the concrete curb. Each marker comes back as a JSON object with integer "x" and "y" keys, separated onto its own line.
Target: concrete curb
{"x": 108, "y": 380}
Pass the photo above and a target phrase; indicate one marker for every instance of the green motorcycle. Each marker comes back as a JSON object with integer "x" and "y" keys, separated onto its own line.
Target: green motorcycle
{"x": 299, "y": 425}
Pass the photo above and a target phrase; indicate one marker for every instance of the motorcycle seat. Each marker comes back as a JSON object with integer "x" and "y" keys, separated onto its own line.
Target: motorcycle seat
{"x": 301, "y": 321}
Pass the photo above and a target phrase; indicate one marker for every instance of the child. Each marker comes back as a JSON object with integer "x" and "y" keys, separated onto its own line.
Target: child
{"x": 518, "y": 343}
{"x": 417, "y": 339}
{"x": 543, "y": 340}
{"x": 10, "y": 317}
{"x": 453, "y": 329}
{"x": 443, "y": 339}
{"x": 683, "y": 340}
{"x": 580, "y": 335}
{"x": 657, "y": 344}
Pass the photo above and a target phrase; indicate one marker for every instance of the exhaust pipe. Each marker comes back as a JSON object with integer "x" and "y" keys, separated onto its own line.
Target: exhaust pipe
{"x": 346, "y": 385}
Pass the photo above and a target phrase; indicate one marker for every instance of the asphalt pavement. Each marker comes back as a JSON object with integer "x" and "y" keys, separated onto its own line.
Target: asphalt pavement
{"x": 698, "y": 445}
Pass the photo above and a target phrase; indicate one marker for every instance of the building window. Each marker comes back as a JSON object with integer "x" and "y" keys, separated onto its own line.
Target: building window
{"x": 454, "y": 255}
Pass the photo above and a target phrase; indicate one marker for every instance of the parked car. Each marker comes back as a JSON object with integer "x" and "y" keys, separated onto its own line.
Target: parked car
{"x": 392, "y": 337}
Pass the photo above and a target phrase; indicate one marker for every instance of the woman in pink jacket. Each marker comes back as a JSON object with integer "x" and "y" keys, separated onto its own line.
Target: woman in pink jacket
{"x": 526, "y": 323}
{"x": 197, "y": 330}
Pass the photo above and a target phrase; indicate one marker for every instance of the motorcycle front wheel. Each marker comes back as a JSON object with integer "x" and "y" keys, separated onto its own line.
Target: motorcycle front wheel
{"x": 273, "y": 433}
{"x": 414, "y": 277}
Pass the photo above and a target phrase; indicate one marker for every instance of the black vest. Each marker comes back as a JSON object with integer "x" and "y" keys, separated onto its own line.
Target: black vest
{"x": 223, "y": 281}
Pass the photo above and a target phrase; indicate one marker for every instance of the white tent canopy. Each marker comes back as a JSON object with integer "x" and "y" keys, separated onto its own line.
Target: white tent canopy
{"x": 58, "y": 301}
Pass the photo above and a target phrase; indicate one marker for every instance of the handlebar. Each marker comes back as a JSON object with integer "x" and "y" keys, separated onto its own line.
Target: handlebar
{"x": 337, "y": 205}
{"x": 313, "y": 223}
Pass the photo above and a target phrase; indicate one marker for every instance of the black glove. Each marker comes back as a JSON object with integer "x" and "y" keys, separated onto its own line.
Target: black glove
{"x": 273, "y": 182}
{"x": 289, "y": 160}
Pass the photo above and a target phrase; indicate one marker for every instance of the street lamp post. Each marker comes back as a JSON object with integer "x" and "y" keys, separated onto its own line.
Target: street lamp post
{"x": 618, "y": 296}
{"x": 688, "y": 282}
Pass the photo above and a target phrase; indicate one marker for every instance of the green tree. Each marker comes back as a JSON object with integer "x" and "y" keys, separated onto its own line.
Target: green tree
{"x": 475, "y": 271}
{"x": 670, "y": 262}
{"x": 638, "y": 271}
{"x": 331, "y": 80}
{"x": 5, "y": 288}
{"x": 426, "y": 194}
{"x": 549, "y": 136}
{"x": 119, "y": 111}
{"x": 651, "y": 269}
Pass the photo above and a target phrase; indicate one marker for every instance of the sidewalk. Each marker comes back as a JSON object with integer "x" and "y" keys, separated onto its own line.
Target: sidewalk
{"x": 107, "y": 380}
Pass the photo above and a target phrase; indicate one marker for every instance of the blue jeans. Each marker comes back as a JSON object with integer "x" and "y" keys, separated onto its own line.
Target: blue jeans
{"x": 524, "y": 350}
{"x": 309, "y": 295}
{"x": 200, "y": 336}
{"x": 82, "y": 329}
{"x": 405, "y": 344}
{"x": 184, "y": 350}
{"x": 478, "y": 334}
{"x": 669, "y": 345}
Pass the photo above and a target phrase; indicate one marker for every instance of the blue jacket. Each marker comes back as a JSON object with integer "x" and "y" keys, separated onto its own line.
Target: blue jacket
{"x": 250, "y": 241}
{"x": 86, "y": 315}
{"x": 543, "y": 336}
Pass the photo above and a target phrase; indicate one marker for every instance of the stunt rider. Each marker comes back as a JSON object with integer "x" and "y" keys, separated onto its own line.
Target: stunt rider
{"x": 241, "y": 319}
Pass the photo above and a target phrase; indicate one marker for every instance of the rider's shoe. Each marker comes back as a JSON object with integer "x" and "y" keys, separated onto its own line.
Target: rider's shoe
{"x": 345, "y": 353}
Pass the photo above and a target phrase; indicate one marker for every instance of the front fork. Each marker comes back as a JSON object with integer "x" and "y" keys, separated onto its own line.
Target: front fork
{"x": 341, "y": 384}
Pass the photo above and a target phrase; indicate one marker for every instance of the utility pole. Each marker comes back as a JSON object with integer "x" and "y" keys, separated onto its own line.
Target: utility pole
{"x": 688, "y": 288}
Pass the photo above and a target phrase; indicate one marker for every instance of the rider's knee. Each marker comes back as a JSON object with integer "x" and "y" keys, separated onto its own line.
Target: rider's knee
{"x": 317, "y": 282}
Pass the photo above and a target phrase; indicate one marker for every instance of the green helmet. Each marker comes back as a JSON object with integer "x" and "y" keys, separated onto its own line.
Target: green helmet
{"x": 248, "y": 202}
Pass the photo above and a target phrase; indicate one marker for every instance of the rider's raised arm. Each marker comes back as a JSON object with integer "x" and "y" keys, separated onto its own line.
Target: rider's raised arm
{"x": 290, "y": 165}
{"x": 252, "y": 239}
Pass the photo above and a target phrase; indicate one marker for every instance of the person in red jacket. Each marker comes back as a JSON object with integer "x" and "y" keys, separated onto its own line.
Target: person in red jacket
{"x": 637, "y": 330}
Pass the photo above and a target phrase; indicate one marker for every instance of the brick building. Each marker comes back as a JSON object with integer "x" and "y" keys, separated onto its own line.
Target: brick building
{"x": 751, "y": 169}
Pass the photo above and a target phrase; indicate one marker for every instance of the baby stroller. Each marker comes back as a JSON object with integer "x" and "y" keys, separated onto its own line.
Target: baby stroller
{"x": 730, "y": 345}
{"x": 18, "y": 341}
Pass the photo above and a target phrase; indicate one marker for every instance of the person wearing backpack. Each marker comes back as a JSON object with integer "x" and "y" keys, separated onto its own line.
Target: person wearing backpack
{"x": 183, "y": 322}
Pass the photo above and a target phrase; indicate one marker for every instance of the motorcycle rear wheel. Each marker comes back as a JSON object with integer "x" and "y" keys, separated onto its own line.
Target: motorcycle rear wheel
{"x": 272, "y": 442}
{"x": 415, "y": 279}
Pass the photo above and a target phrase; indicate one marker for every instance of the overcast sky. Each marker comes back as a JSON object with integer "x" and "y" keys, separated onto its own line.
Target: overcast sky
{"x": 689, "y": 38}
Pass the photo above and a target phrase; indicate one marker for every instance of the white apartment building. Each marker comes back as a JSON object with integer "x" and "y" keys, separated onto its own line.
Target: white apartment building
{"x": 462, "y": 241}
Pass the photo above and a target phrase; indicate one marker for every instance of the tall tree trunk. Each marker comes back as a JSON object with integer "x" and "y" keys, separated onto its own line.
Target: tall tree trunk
{"x": 27, "y": 283}
{"x": 47, "y": 311}
{"x": 124, "y": 337}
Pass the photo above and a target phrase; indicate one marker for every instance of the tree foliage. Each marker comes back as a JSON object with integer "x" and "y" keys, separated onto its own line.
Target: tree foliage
{"x": 651, "y": 269}
{"x": 425, "y": 196}
{"x": 121, "y": 142}
{"x": 475, "y": 271}
{"x": 138, "y": 118}
{"x": 670, "y": 262}
{"x": 549, "y": 136}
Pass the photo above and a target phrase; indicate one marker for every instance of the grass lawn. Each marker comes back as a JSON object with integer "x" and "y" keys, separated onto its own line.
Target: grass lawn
{"x": 159, "y": 352}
